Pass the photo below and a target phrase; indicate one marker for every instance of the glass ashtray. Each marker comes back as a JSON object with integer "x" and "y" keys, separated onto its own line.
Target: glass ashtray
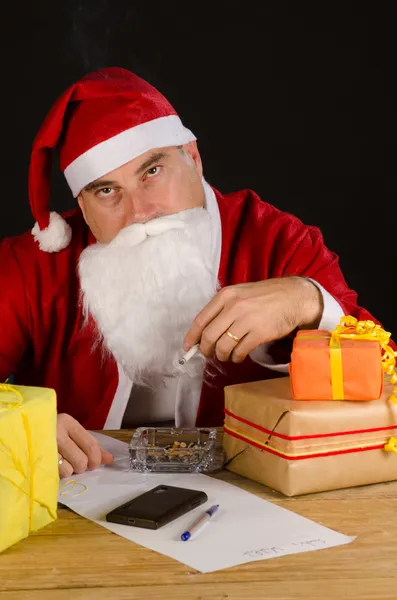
{"x": 176, "y": 450}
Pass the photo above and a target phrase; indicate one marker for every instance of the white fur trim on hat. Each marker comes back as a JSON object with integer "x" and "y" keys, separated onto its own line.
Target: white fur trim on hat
{"x": 115, "y": 152}
{"x": 55, "y": 237}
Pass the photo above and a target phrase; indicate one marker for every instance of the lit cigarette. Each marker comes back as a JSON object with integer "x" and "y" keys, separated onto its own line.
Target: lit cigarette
{"x": 188, "y": 354}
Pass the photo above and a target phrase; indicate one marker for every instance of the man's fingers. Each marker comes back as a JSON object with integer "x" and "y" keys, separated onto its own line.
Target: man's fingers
{"x": 73, "y": 455}
{"x": 74, "y": 460}
{"x": 214, "y": 332}
{"x": 226, "y": 343}
{"x": 78, "y": 447}
{"x": 106, "y": 457}
{"x": 203, "y": 319}
{"x": 88, "y": 445}
{"x": 65, "y": 468}
{"x": 247, "y": 344}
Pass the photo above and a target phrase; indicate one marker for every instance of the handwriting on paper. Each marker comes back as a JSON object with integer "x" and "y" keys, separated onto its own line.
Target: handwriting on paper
{"x": 274, "y": 551}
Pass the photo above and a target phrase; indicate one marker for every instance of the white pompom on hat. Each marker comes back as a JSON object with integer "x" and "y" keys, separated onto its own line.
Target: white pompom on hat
{"x": 100, "y": 123}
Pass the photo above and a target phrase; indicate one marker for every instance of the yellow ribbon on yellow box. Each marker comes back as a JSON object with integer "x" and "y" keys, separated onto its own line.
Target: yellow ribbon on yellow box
{"x": 29, "y": 478}
{"x": 350, "y": 328}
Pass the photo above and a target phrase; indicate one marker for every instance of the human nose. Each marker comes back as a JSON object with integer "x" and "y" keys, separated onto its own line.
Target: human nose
{"x": 140, "y": 209}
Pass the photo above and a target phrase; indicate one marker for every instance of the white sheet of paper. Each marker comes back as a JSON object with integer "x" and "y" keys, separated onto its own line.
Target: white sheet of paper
{"x": 245, "y": 528}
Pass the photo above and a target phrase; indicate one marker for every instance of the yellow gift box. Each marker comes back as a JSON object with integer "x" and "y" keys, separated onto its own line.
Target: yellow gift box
{"x": 29, "y": 478}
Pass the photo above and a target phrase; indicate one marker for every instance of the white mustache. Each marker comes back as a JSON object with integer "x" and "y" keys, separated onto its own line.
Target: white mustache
{"x": 138, "y": 232}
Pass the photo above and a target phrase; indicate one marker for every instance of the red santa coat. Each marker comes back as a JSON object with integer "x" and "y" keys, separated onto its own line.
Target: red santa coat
{"x": 43, "y": 340}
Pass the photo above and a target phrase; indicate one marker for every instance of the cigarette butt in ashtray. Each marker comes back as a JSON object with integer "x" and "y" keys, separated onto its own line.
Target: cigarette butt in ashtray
{"x": 188, "y": 355}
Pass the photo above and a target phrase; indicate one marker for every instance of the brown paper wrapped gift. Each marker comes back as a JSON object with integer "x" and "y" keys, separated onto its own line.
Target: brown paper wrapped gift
{"x": 298, "y": 447}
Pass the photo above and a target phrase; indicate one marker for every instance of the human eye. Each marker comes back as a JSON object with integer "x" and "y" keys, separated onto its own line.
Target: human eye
{"x": 105, "y": 192}
{"x": 152, "y": 172}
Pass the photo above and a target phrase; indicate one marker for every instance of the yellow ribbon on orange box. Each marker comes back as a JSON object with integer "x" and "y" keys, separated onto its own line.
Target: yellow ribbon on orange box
{"x": 350, "y": 328}
{"x": 391, "y": 445}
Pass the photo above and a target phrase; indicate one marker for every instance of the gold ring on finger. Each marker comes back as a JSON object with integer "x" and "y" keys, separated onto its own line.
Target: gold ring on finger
{"x": 234, "y": 337}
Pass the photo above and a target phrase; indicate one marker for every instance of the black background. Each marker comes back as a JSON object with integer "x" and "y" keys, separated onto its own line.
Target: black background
{"x": 293, "y": 100}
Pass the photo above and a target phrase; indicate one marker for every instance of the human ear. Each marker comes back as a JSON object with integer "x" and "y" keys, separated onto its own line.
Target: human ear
{"x": 191, "y": 150}
{"x": 81, "y": 203}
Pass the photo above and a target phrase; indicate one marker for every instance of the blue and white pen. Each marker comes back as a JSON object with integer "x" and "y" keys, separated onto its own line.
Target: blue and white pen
{"x": 200, "y": 523}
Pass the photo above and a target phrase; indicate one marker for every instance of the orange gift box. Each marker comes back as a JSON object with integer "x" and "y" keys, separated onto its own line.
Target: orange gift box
{"x": 346, "y": 364}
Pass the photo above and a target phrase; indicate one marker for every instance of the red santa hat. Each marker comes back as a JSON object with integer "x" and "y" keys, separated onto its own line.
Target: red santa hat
{"x": 100, "y": 123}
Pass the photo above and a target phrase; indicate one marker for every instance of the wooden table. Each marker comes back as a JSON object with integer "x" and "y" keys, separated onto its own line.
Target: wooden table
{"x": 74, "y": 558}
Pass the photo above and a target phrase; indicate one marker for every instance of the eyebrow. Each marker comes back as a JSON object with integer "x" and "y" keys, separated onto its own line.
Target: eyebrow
{"x": 102, "y": 183}
{"x": 150, "y": 161}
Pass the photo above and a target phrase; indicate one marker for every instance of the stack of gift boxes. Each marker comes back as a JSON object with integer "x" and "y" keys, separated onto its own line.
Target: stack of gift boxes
{"x": 331, "y": 424}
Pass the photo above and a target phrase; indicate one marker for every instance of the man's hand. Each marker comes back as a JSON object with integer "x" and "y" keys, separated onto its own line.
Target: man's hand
{"x": 241, "y": 317}
{"x": 78, "y": 449}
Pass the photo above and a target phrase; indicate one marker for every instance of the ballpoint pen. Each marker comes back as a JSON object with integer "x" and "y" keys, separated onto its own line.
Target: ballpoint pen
{"x": 198, "y": 525}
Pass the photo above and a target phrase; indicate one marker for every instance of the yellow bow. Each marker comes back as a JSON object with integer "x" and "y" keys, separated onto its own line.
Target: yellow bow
{"x": 10, "y": 404}
{"x": 391, "y": 445}
{"x": 350, "y": 328}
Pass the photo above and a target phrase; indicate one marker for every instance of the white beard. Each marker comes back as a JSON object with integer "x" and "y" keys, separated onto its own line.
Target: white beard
{"x": 145, "y": 288}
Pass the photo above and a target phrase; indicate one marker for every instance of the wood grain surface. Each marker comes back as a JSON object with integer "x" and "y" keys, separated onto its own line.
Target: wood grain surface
{"x": 75, "y": 558}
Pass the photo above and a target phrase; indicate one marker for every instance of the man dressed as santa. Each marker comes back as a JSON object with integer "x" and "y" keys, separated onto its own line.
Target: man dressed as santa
{"x": 102, "y": 303}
